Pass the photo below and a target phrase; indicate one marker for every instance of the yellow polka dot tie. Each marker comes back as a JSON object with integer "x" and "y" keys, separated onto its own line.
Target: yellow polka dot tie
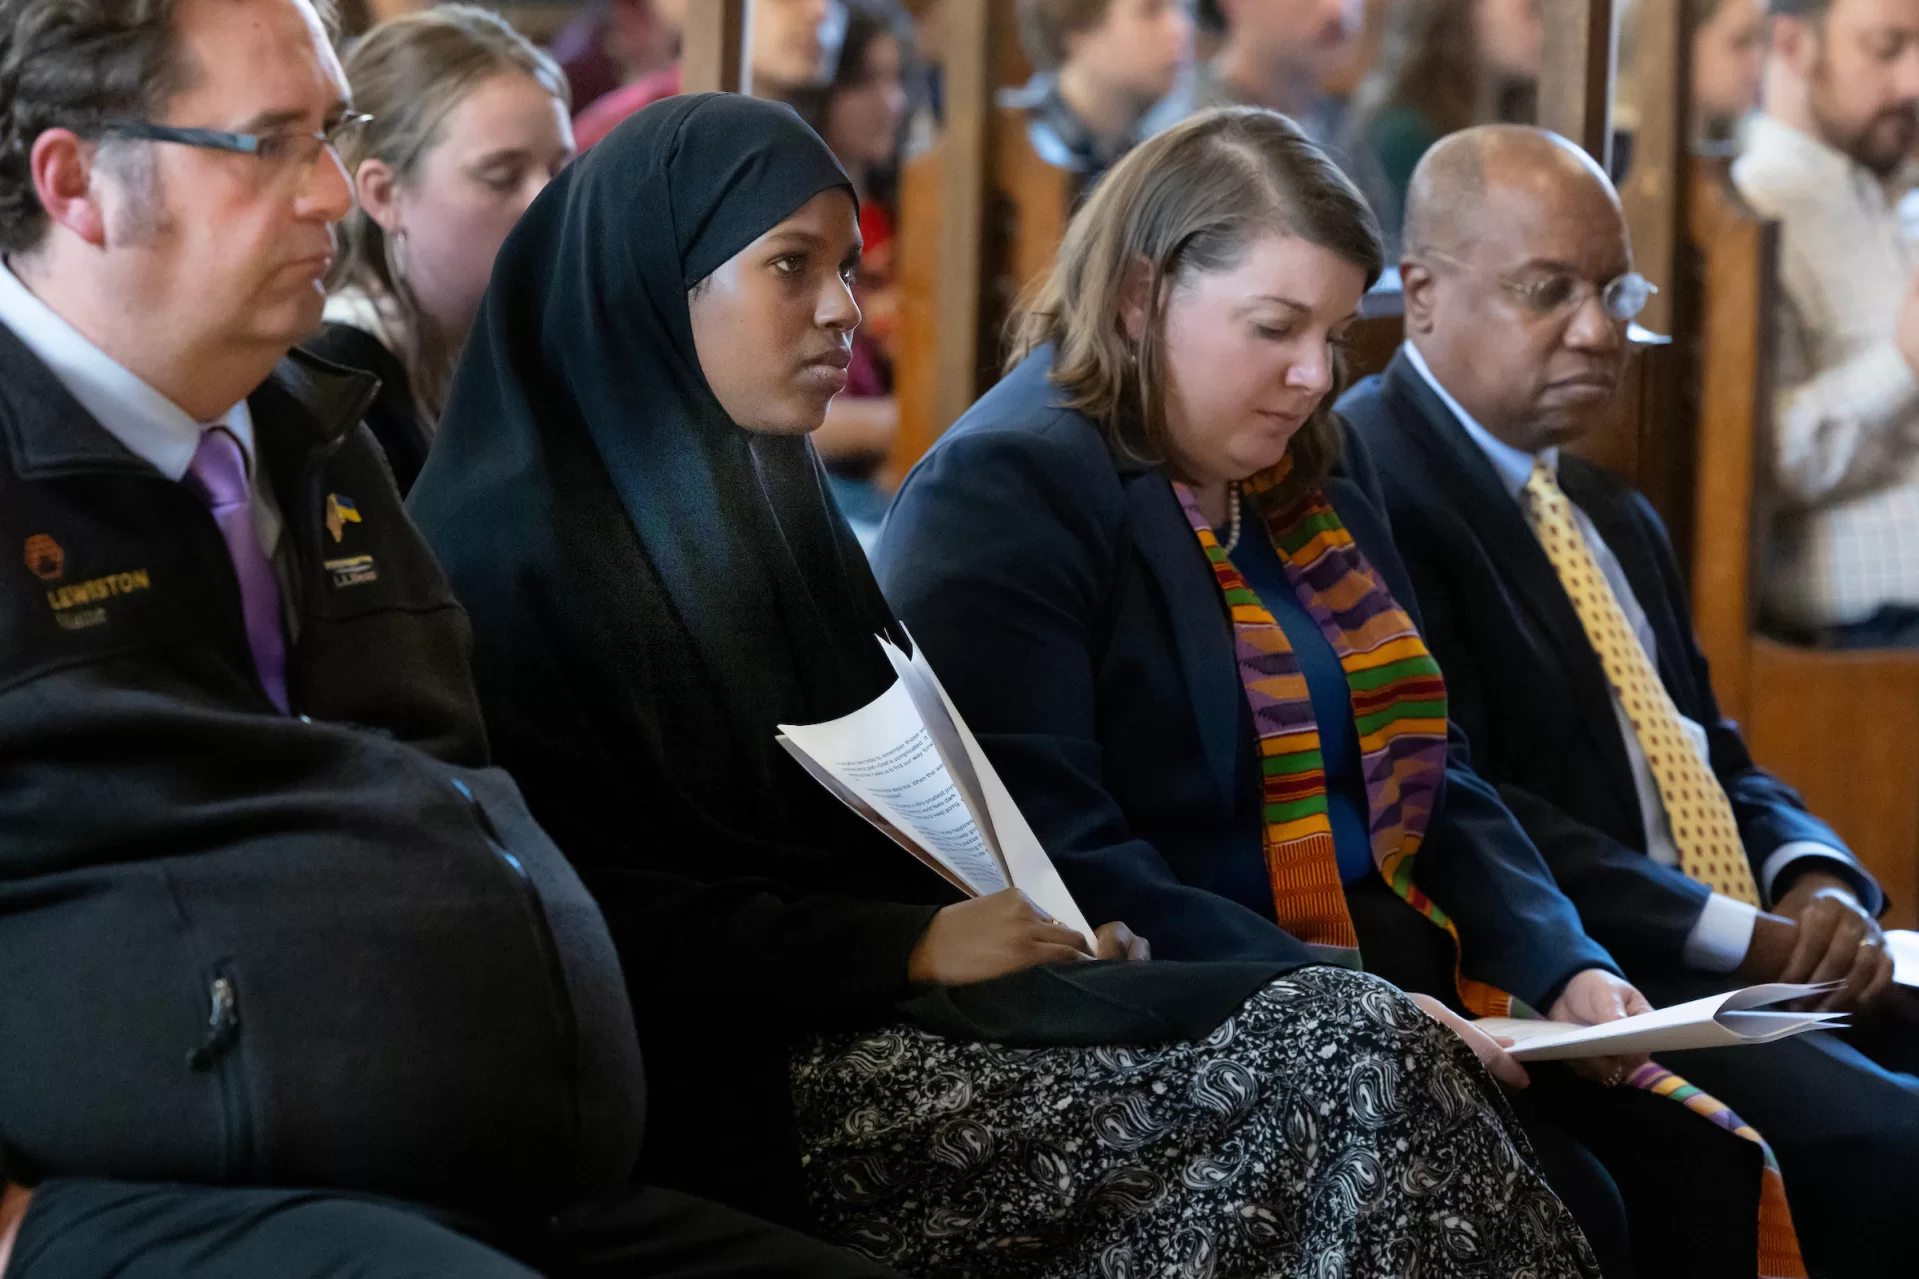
{"x": 1703, "y": 826}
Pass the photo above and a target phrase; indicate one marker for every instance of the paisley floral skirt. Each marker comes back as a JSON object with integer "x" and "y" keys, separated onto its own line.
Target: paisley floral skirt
{"x": 1329, "y": 1130}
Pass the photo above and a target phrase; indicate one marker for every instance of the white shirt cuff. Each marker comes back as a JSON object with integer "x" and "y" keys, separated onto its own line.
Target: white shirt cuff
{"x": 1786, "y": 854}
{"x": 1721, "y": 936}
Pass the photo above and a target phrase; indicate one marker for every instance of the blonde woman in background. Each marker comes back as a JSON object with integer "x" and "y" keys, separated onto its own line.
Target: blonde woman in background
{"x": 470, "y": 122}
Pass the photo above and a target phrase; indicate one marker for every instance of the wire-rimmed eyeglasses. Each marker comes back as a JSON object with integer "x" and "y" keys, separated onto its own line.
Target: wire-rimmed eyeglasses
{"x": 1552, "y": 293}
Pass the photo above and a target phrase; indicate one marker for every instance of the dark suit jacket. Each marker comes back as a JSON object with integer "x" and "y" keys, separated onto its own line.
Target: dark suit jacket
{"x": 1527, "y": 686}
{"x": 1070, "y": 612}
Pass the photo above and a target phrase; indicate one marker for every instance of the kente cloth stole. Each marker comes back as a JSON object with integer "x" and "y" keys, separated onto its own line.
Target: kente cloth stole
{"x": 1399, "y": 708}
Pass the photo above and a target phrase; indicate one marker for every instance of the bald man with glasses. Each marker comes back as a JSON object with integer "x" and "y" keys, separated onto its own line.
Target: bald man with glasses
{"x": 1556, "y": 608}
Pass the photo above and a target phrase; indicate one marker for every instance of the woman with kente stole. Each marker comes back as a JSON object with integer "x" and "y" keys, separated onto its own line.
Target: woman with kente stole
{"x": 627, "y": 504}
{"x": 1151, "y": 568}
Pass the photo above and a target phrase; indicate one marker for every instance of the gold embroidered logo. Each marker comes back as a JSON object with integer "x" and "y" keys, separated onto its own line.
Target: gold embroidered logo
{"x": 340, "y": 512}
{"x": 98, "y": 590}
{"x": 45, "y": 559}
{"x": 79, "y": 606}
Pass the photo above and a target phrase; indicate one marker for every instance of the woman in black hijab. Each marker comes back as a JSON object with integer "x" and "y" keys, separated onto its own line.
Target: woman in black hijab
{"x": 624, "y": 497}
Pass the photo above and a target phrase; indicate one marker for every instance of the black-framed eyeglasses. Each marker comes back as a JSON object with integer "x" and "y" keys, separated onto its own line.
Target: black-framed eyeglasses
{"x": 291, "y": 147}
{"x": 1554, "y": 293}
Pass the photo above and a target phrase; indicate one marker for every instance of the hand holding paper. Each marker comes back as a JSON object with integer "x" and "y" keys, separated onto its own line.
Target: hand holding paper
{"x": 1718, "y": 1021}
{"x": 908, "y": 764}
{"x": 987, "y": 937}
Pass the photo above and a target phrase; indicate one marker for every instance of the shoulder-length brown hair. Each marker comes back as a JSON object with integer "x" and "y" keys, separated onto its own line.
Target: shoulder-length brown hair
{"x": 1190, "y": 200}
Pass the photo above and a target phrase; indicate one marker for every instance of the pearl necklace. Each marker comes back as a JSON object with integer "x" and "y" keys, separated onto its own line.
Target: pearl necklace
{"x": 1232, "y": 524}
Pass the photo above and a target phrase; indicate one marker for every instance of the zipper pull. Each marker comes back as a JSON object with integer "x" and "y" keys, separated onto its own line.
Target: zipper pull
{"x": 223, "y": 1025}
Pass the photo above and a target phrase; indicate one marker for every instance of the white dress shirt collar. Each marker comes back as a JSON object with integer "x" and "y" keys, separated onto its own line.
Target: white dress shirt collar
{"x": 1514, "y": 465}
{"x": 150, "y": 426}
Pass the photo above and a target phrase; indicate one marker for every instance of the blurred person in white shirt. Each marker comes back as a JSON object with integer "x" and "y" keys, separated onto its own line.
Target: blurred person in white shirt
{"x": 1828, "y": 160}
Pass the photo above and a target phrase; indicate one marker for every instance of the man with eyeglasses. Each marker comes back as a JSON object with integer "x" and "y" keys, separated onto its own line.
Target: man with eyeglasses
{"x": 1557, "y": 611}
{"x": 291, "y": 984}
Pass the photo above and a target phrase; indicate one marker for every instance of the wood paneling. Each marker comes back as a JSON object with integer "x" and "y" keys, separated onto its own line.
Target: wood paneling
{"x": 1654, "y": 191}
{"x": 1737, "y": 252}
{"x": 1370, "y": 343}
{"x": 916, "y": 369}
{"x": 1028, "y": 203}
{"x": 713, "y": 46}
{"x": 1575, "y": 76}
{"x": 1843, "y": 730}
{"x": 963, "y": 198}
{"x": 981, "y": 215}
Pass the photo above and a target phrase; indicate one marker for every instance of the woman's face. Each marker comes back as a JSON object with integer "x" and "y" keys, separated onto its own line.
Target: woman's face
{"x": 1511, "y": 36}
{"x": 1729, "y": 61}
{"x": 497, "y": 148}
{"x": 863, "y": 117}
{"x": 1249, "y": 354}
{"x": 773, "y": 325}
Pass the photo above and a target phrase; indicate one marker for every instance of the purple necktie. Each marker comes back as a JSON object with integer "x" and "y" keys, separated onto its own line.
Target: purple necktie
{"x": 219, "y": 475}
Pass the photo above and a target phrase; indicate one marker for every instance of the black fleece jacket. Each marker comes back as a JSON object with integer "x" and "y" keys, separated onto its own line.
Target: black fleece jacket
{"x": 330, "y": 948}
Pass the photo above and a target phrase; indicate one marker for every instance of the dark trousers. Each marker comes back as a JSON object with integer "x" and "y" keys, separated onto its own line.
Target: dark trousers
{"x": 1841, "y": 1111}
{"x": 1659, "y": 1192}
{"x": 1668, "y": 1193}
{"x": 80, "y": 1229}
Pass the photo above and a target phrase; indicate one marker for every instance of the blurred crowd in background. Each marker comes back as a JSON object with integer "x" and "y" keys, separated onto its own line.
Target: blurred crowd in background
{"x": 1376, "y": 82}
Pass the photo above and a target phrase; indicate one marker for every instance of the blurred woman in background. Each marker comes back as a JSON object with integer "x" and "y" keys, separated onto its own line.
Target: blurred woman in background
{"x": 1728, "y": 65}
{"x": 470, "y": 121}
{"x": 1446, "y": 64}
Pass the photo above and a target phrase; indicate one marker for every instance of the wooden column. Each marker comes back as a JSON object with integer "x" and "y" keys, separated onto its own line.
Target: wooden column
{"x": 968, "y": 83}
{"x": 1655, "y": 190}
{"x": 713, "y": 46}
{"x": 1575, "y": 74}
{"x": 1739, "y": 252}
{"x": 1656, "y": 193}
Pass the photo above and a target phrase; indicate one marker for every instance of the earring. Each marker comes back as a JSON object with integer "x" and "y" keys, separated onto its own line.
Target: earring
{"x": 394, "y": 252}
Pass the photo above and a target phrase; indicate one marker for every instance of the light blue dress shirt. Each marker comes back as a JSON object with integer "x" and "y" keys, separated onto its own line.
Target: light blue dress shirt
{"x": 1723, "y": 932}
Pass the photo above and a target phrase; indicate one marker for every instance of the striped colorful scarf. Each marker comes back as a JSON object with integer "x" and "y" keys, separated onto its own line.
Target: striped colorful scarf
{"x": 1399, "y": 709}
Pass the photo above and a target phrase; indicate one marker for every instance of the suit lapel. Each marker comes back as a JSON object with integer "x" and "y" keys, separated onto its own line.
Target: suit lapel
{"x": 1201, "y": 629}
{"x": 1463, "y": 472}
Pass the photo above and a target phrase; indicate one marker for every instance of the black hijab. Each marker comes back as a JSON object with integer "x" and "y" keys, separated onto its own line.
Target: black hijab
{"x": 652, "y": 589}
{"x": 581, "y": 396}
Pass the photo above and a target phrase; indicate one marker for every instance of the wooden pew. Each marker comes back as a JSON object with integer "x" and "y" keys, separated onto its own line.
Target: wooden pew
{"x": 1841, "y": 727}
{"x": 981, "y": 217}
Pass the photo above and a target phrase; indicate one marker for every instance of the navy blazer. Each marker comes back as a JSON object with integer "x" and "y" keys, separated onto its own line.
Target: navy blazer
{"x": 1070, "y": 612}
{"x": 1527, "y": 686}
